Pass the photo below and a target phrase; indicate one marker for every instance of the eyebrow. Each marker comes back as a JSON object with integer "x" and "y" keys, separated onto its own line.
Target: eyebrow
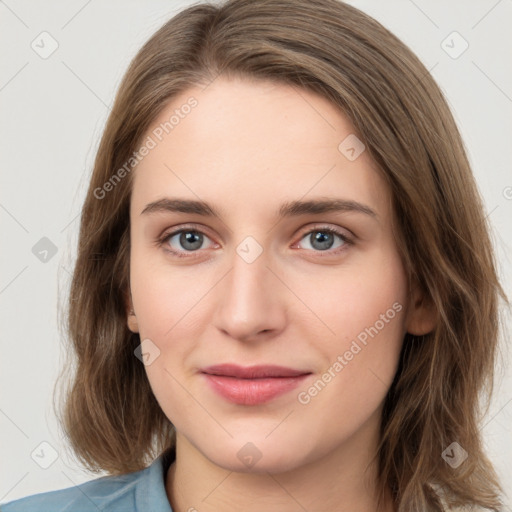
{"x": 288, "y": 209}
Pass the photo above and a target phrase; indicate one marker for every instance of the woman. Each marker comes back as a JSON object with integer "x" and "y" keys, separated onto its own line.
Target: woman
{"x": 285, "y": 286}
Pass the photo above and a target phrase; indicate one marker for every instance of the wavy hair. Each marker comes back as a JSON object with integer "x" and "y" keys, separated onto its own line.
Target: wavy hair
{"x": 110, "y": 415}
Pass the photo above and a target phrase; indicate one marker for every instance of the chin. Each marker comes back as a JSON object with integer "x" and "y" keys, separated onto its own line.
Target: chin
{"x": 265, "y": 456}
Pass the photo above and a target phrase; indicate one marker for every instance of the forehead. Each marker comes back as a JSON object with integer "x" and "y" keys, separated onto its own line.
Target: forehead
{"x": 247, "y": 144}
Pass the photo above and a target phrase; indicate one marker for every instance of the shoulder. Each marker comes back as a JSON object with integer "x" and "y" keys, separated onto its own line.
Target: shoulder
{"x": 111, "y": 493}
{"x": 140, "y": 490}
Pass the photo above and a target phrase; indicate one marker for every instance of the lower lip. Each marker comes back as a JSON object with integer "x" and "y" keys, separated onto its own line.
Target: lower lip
{"x": 252, "y": 391}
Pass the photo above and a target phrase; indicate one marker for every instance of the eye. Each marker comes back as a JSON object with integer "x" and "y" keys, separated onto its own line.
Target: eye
{"x": 185, "y": 240}
{"x": 323, "y": 239}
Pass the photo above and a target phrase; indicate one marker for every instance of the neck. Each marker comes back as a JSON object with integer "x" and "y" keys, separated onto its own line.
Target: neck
{"x": 344, "y": 480}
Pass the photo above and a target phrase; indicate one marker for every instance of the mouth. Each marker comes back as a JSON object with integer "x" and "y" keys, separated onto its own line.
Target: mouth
{"x": 252, "y": 385}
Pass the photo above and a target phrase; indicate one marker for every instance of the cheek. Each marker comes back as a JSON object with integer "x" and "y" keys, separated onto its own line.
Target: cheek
{"x": 169, "y": 304}
{"x": 166, "y": 299}
{"x": 360, "y": 359}
{"x": 167, "y": 312}
{"x": 356, "y": 298}
{"x": 366, "y": 320}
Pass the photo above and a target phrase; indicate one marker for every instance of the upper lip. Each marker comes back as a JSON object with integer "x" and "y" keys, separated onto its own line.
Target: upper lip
{"x": 252, "y": 372}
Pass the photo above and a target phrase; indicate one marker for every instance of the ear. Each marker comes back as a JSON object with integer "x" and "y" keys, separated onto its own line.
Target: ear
{"x": 131, "y": 319}
{"x": 422, "y": 315}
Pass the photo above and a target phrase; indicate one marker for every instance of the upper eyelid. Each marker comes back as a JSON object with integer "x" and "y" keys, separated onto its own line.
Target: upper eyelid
{"x": 201, "y": 229}
{"x": 167, "y": 233}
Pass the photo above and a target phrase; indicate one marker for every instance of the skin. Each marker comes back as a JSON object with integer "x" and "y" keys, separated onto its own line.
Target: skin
{"x": 246, "y": 148}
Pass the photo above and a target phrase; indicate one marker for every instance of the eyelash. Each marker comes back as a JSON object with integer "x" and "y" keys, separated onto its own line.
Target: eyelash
{"x": 322, "y": 229}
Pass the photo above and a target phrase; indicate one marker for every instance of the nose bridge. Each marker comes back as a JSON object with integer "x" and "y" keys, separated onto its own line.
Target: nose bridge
{"x": 248, "y": 300}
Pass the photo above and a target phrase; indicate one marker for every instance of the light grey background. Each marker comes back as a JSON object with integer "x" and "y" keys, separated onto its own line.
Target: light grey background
{"x": 53, "y": 113}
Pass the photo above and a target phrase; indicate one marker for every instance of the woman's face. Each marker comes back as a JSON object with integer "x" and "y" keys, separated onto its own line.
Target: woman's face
{"x": 293, "y": 264}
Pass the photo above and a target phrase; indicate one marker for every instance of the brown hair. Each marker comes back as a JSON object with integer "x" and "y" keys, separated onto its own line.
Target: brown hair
{"x": 110, "y": 414}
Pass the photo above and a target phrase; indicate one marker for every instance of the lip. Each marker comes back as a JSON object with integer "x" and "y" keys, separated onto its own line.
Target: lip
{"x": 252, "y": 385}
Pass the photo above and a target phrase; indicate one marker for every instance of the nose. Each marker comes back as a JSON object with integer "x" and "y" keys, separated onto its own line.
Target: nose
{"x": 251, "y": 300}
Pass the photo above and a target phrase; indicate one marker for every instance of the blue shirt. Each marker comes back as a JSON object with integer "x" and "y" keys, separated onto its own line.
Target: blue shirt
{"x": 140, "y": 491}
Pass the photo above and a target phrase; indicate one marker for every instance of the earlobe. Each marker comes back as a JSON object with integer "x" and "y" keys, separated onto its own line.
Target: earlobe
{"x": 131, "y": 319}
{"x": 421, "y": 315}
{"x": 132, "y": 322}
